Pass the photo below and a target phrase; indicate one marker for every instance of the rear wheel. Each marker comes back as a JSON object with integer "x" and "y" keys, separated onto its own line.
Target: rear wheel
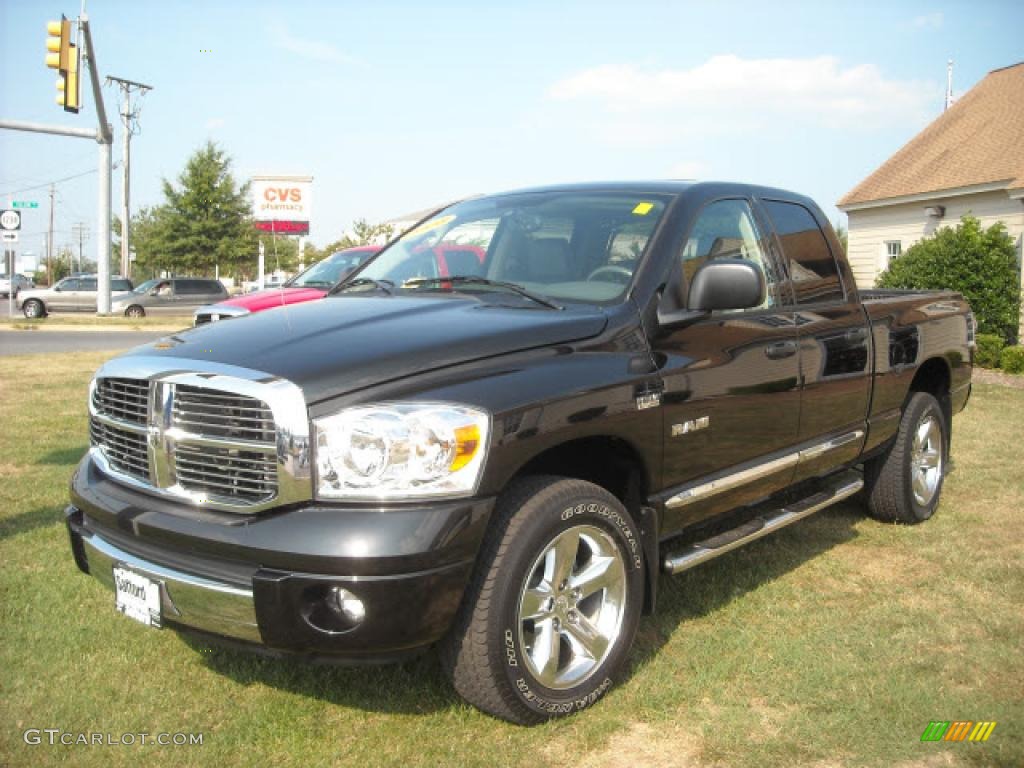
{"x": 546, "y": 626}
{"x": 904, "y": 484}
{"x": 135, "y": 311}
{"x": 33, "y": 308}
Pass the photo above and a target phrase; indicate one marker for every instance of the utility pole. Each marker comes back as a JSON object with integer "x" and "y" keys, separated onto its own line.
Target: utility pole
{"x": 49, "y": 241}
{"x": 80, "y": 230}
{"x": 128, "y": 120}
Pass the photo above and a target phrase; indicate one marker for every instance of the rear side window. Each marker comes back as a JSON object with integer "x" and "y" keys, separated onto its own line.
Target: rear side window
{"x": 811, "y": 264}
{"x": 89, "y": 284}
{"x": 196, "y": 287}
{"x": 120, "y": 285}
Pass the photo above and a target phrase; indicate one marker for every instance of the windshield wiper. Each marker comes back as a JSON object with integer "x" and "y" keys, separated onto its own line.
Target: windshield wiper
{"x": 473, "y": 280}
{"x": 385, "y": 286}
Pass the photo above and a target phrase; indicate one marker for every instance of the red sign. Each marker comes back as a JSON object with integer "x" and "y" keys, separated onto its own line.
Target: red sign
{"x": 284, "y": 227}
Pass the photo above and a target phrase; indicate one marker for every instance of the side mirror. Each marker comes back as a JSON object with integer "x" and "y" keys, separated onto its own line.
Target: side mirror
{"x": 727, "y": 284}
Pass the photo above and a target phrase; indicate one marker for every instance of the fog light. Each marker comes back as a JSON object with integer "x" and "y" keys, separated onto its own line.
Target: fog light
{"x": 343, "y": 602}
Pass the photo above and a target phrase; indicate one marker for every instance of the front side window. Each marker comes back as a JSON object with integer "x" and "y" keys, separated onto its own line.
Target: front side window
{"x": 725, "y": 229}
{"x": 70, "y": 284}
{"x": 571, "y": 246}
{"x": 812, "y": 267}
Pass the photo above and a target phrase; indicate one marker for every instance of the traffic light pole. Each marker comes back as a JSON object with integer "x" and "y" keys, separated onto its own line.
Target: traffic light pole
{"x": 105, "y": 137}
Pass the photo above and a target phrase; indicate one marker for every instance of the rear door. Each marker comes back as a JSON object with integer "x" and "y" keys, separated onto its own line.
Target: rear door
{"x": 85, "y": 296}
{"x": 192, "y": 294}
{"x": 731, "y": 399}
{"x": 834, "y": 341}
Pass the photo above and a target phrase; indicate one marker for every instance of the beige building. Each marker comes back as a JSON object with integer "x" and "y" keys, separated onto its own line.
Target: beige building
{"x": 969, "y": 160}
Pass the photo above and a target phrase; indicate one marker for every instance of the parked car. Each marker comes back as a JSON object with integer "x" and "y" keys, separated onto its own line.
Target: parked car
{"x": 312, "y": 283}
{"x": 637, "y": 379}
{"x": 168, "y": 296}
{"x": 72, "y": 294}
{"x": 19, "y": 282}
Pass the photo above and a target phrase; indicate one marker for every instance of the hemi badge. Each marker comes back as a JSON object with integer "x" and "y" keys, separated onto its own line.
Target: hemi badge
{"x": 648, "y": 400}
{"x": 690, "y": 426}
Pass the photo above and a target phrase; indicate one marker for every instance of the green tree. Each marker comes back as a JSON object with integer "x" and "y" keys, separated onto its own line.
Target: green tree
{"x": 204, "y": 222}
{"x": 363, "y": 233}
{"x": 843, "y": 235}
{"x": 979, "y": 263}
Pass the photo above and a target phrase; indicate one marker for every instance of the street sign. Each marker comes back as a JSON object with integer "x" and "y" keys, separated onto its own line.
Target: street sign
{"x": 8, "y": 237}
{"x": 24, "y": 204}
{"x": 10, "y": 220}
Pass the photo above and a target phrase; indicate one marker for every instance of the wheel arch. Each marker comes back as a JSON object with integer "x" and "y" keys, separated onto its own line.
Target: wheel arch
{"x": 616, "y": 465}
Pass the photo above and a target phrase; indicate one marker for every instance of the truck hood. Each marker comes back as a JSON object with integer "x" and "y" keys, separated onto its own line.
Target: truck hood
{"x": 274, "y": 297}
{"x": 346, "y": 343}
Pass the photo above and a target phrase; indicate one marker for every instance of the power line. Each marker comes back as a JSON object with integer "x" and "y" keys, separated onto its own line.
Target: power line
{"x": 55, "y": 181}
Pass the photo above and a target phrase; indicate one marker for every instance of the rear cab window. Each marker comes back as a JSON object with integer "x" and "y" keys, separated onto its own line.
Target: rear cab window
{"x": 812, "y": 267}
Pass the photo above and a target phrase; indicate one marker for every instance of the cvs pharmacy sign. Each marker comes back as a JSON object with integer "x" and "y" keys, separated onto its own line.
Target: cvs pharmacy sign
{"x": 285, "y": 199}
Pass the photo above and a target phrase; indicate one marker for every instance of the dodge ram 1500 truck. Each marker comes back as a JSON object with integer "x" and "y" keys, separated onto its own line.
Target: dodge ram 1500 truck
{"x": 633, "y": 379}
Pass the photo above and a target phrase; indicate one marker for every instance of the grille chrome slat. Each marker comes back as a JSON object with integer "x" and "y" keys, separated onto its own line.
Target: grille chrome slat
{"x": 216, "y": 446}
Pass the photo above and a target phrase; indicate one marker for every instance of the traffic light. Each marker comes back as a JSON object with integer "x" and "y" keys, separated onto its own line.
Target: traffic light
{"x": 62, "y": 55}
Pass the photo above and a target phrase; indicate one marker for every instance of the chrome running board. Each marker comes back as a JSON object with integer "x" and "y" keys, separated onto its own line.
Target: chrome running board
{"x": 844, "y": 486}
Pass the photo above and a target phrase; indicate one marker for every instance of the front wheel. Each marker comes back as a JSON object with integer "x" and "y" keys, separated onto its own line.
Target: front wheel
{"x": 135, "y": 311}
{"x": 904, "y": 483}
{"x": 546, "y": 625}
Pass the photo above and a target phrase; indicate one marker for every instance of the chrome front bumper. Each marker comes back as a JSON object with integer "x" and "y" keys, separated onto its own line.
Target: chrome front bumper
{"x": 186, "y": 599}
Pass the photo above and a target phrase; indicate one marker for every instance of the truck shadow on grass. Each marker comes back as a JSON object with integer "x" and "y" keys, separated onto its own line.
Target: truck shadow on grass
{"x": 419, "y": 686}
{"x": 24, "y": 522}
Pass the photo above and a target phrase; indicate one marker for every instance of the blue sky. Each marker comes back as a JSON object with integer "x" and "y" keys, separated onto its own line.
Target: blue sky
{"x": 393, "y": 107}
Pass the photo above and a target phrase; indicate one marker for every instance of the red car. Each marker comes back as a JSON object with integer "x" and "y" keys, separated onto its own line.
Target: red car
{"x": 313, "y": 283}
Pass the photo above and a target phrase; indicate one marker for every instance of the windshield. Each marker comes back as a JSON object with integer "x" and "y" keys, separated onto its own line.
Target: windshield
{"x": 147, "y": 286}
{"x": 326, "y": 273}
{"x": 574, "y": 246}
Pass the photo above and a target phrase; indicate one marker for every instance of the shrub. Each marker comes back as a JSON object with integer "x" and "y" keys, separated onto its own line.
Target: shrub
{"x": 990, "y": 346}
{"x": 1012, "y": 359}
{"x": 979, "y": 263}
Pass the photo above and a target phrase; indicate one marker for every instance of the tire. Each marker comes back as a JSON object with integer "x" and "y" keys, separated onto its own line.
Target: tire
{"x": 522, "y": 669}
{"x": 904, "y": 484}
{"x": 33, "y": 308}
{"x": 135, "y": 311}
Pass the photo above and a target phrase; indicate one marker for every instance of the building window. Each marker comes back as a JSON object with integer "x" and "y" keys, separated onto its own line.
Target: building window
{"x": 893, "y": 248}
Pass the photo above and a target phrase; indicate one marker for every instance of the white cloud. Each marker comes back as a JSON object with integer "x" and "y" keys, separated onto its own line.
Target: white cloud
{"x": 315, "y": 50}
{"x": 929, "y": 20}
{"x": 214, "y": 123}
{"x": 734, "y": 91}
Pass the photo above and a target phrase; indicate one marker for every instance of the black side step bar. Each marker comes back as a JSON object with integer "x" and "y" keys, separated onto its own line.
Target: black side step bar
{"x": 844, "y": 486}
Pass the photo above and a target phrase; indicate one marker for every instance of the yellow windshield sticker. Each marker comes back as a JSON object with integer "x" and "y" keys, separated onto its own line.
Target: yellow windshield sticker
{"x": 426, "y": 226}
{"x": 642, "y": 209}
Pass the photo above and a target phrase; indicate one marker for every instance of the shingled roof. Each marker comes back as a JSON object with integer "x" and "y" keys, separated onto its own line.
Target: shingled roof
{"x": 979, "y": 140}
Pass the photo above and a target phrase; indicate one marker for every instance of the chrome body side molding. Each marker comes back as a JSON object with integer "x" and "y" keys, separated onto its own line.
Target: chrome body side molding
{"x": 749, "y": 475}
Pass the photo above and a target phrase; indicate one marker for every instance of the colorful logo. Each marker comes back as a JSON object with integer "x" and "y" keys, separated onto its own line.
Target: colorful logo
{"x": 958, "y": 730}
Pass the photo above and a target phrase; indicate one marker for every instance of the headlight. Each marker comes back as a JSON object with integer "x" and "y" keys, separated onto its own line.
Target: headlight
{"x": 400, "y": 450}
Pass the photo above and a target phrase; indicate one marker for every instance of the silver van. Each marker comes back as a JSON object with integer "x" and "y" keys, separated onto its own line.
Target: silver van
{"x": 168, "y": 296}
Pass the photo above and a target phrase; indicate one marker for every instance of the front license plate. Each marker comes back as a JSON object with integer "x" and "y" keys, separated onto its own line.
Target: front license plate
{"x": 137, "y": 596}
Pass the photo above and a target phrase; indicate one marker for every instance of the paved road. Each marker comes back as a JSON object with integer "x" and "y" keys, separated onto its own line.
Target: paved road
{"x": 49, "y": 342}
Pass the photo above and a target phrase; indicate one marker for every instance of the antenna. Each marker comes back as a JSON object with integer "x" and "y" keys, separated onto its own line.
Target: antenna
{"x": 949, "y": 85}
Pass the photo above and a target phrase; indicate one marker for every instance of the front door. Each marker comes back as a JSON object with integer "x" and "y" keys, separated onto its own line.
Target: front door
{"x": 731, "y": 399}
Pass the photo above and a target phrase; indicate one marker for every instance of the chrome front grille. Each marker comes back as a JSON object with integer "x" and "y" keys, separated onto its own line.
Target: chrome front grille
{"x": 208, "y": 439}
{"x": 222, "y": 414}
{"x": 125, "y": 449}
{"x": 243, "y": 475}
{"x": 125, "y": 399}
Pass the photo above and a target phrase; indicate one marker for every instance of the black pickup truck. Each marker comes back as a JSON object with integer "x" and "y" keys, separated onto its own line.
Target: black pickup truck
{"x": 503, "y": 456}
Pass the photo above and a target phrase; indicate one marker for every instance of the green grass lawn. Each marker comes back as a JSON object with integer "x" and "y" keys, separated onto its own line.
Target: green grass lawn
{"x": 93, "y": 322}
{"x": 832, "y": 643}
